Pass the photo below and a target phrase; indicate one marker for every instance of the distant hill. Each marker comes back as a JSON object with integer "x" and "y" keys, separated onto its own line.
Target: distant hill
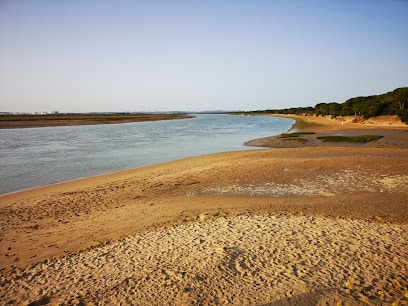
{"x": 391, "y": 103}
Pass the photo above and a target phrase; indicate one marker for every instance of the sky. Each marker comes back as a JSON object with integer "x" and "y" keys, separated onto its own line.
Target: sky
{"x": 131, "y": 56}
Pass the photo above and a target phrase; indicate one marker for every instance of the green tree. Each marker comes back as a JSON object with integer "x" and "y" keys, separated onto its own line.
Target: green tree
{"x": 322, "y": 109}
{"x": 335, "y": 109}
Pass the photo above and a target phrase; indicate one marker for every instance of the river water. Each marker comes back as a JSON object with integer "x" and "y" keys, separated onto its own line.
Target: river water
{"x": 41, "y": 156}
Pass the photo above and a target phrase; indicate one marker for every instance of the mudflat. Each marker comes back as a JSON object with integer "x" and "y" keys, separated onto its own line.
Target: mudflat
{"x": 30, "y": 121}
{"x": 311, "y": 224}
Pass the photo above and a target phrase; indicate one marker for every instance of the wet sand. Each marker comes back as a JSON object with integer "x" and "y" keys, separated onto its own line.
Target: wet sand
{"x": 288, "y": 226}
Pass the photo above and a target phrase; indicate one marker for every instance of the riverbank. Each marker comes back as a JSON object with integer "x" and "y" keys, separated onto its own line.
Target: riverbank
{"x": 268, "y": 227}
{"x": 33, "y": 121}
{"x": 394, "y": 133}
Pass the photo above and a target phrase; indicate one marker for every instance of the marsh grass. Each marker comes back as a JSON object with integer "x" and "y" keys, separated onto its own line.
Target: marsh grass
{"x": 294, "y": 135}
{"x": 350, "y": 139}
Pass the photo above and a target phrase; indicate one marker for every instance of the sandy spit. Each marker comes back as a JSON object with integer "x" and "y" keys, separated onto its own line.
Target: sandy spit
{"x": 244, "y": 260}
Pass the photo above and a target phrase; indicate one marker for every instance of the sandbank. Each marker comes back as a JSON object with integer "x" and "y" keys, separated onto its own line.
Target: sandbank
{"x": 394, "y": 132}
{"x": 35, "y": 121}
{"x": 288, "y": 226}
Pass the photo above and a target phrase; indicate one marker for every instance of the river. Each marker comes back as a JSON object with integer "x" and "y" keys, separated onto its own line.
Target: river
{"x": 40, "y": 156}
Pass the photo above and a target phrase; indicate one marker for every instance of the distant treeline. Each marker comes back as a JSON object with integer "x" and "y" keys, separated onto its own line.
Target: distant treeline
{"x": 391, "y": 103}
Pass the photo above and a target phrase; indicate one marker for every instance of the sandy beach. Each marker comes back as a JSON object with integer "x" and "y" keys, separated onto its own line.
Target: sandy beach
{"x": 297, "y": 223}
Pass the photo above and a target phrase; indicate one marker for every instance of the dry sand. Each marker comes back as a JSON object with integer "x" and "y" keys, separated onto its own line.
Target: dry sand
{"x": 316, "y": 225}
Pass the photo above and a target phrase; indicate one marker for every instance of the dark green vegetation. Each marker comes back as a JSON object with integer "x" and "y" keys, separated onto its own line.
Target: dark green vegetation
{"x": 353, "y": 139}
{"x": 294, "y": 135}
{"x": 350, "y": 139}
{"x": 391, "y": 103}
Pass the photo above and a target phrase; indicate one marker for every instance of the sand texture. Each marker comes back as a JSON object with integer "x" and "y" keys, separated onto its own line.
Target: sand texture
{"x": 314, "y": 225}
{"x": 243, "y": 260}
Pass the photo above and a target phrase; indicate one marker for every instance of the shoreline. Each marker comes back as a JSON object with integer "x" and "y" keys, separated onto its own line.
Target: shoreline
{"x": 37, "y": 121}
{"x": 56, "y": 225}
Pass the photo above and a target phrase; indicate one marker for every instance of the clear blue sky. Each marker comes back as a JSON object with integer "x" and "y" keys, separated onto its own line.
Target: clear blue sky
{"x": 80, "y": 56}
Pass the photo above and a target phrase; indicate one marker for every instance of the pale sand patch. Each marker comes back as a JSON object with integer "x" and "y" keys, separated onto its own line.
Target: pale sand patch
{"x": 342, "y": 182}
{"x": 245, "y": 260}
